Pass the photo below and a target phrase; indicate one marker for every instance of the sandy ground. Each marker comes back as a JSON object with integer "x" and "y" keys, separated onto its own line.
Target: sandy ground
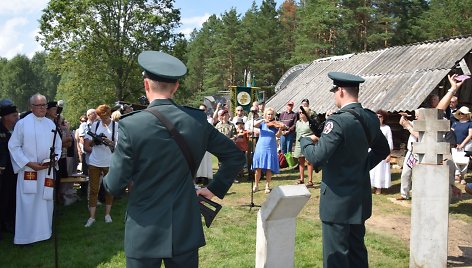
{"x": 459, "y": 236}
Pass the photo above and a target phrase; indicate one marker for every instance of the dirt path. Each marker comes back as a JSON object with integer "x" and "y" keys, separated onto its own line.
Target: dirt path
{"x": 459, "y": 241}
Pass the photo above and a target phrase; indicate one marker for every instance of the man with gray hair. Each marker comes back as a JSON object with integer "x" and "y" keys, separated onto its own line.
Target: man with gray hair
{"x": 29, "y": 147}
{"x": 83, "y": 128}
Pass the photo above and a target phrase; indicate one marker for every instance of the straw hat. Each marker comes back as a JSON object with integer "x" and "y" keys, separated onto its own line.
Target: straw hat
{"x": 462, "y": 110}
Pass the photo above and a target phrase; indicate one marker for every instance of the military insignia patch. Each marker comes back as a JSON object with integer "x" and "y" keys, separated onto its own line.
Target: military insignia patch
{"x": 328, "y": 127}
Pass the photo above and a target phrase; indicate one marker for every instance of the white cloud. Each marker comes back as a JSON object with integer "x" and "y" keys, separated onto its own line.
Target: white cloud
{"x": 196, "y": 21}
{"x": 190, "y": 23}
{"x": 12, "y": 7}
{"x": 35, "y": 45}
{"x": 10, "y": 37}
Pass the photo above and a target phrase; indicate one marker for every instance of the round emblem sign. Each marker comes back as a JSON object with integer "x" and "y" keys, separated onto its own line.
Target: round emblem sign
{"x": 244, "y": 98}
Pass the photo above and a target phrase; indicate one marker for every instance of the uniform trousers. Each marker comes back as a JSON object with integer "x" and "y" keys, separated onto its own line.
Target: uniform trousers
{"x": 343, "y": 245}
{"x": 186, "y": 260}
{"x": 8, "y": 201}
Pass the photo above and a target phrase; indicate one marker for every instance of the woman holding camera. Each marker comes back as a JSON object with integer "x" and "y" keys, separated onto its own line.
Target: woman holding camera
{"x": 98, "y": 142}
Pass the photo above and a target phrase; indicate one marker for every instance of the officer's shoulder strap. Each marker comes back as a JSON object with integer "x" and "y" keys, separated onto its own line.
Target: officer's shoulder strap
{"x": 361, "y": 120}
{"x": 195, "y": 112}
{"x": 129, "y": 114}
{"x": 192, "y": 108}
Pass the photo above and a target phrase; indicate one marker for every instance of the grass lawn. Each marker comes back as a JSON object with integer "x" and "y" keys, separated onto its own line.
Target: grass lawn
{"x": 231, "y": 241}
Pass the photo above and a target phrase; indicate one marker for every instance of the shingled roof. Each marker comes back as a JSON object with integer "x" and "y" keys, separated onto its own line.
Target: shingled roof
{"x": 397, "y": 78}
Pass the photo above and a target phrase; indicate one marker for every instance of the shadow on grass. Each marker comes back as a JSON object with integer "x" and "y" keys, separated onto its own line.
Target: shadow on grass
{"x": 461, "y": 208}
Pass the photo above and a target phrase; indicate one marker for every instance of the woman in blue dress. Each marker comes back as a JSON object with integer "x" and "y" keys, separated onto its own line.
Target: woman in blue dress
{"x": 265, "y": 155}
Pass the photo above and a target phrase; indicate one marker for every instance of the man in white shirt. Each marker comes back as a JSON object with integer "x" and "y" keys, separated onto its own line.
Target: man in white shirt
{"x": 83, "y": 128}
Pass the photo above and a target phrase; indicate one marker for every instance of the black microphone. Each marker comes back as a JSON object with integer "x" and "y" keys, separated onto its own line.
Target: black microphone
{"x": 60, "y": 106}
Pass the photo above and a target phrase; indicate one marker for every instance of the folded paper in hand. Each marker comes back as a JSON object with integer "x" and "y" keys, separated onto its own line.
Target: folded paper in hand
{"x": 208, "y": 209}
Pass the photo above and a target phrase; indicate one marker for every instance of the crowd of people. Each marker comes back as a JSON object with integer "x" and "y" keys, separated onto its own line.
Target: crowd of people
{"x": 40, "y": 148}
{"x": 29, "y": 171}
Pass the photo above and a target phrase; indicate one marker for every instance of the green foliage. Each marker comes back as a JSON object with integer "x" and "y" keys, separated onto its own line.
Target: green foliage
{"x": 19, "y": 82}
{"x": 108, "y": 35}
{"x": 48, "y": 79}
{"x": 288, "y": 24}
{"x": 321, "y": 32}
{"x": 446, "y": 18}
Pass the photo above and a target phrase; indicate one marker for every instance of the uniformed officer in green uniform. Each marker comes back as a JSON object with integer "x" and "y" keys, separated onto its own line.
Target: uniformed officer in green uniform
{"x": 163, "y": 221}
{"x": 342, "y": 150}
{"x": 8, "y": 118}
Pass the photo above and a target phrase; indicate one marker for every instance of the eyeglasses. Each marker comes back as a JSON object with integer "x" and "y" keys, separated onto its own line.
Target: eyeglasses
{"x": 40, "y": 105}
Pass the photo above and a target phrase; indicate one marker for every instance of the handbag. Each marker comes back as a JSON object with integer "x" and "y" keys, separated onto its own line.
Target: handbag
{"x": 290, "y": 160}
{"x": 282, "y": 160}
{"x": 208, "y": 208}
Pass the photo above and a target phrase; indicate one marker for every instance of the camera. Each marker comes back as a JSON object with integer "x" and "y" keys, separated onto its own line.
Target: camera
{"x": 143, "y": 100}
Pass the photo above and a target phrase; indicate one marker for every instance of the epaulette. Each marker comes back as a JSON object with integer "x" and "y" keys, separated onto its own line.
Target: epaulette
{"x": 192, "y": 108}
{"x": 129, "y": 114}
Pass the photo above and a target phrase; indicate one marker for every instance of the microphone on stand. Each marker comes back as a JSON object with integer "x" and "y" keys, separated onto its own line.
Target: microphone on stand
{"x": 60, "y": 106}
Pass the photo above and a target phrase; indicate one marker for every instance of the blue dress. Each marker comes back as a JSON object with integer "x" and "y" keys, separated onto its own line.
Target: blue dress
{"x": 265, "y": 155}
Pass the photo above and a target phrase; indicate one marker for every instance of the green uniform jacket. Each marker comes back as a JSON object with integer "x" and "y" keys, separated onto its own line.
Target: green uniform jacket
{"x": 342, "y": 152}
{"x": 163, "y": 216}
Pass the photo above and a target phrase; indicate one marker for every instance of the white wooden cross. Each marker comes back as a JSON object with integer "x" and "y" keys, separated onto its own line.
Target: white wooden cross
{"x": 431, "y": 146}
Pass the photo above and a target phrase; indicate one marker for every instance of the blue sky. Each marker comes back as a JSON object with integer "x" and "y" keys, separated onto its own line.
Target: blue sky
{"x": 19, "y": 20}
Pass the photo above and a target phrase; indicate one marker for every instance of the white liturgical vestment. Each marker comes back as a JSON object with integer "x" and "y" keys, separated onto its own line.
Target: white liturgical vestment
{"x": 31, "y": 141}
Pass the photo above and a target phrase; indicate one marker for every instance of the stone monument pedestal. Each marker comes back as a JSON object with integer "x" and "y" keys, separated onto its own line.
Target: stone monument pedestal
{"x": 430, "y": 202}
{"x": 429, "y": 216}
{"x": 276, "y": 226}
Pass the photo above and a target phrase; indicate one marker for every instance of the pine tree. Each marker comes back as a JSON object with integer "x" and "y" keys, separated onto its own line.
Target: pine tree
{"x": 288, "y": 21}
{"x": 446, "y": 18}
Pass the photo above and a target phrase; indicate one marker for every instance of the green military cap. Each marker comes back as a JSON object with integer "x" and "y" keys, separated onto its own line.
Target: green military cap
{"x": 161, "y": 66}
{"x": 345, "y": 80}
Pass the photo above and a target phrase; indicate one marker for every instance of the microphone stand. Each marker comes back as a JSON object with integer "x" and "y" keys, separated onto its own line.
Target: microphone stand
{"x": 250, "y": 173}
{"x": 52, "y": 161}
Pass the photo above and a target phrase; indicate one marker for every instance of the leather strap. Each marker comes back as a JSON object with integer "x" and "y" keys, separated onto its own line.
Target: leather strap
{"x": 179, "y": 139}
{"x": 364, "y": 126}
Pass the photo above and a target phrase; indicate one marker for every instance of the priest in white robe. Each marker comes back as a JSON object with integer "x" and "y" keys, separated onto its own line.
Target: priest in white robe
{"x": 29, "y": 148}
